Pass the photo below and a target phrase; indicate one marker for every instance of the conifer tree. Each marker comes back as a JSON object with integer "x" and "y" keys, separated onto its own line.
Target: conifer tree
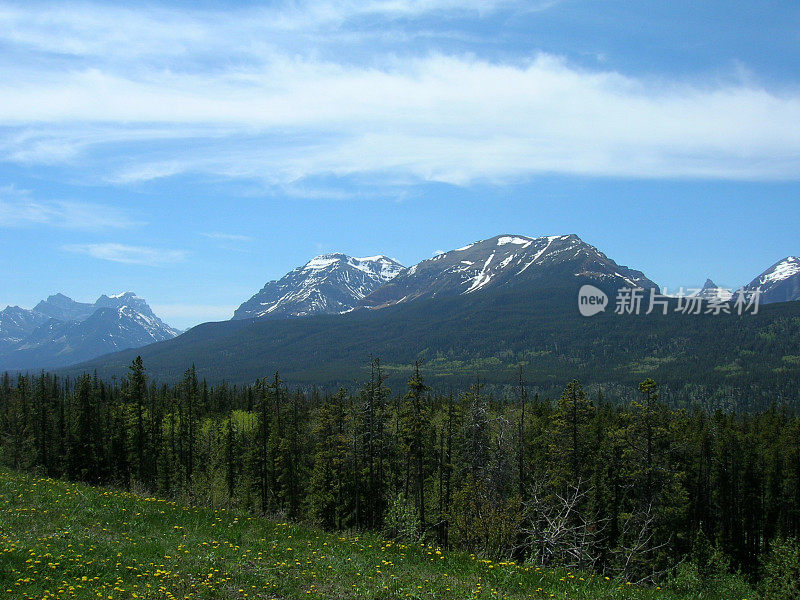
{"x": 136, "y": 389}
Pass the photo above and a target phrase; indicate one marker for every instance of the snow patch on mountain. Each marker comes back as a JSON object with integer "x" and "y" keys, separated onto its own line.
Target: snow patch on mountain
{"x": 383, "y": 267}
{"x": 482, "y": 278}
{"x": 508, "y": 239}
{"x": 779, "y": 283}
{"x": 327, "y": 284}
{"x": 784, "y": 269}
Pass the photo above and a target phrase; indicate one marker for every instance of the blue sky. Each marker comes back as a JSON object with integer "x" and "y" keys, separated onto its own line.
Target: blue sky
{"x": 191, "y": 153}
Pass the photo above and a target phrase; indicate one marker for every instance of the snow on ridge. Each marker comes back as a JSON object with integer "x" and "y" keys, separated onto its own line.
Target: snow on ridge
{"x": 121, "y": 295}
{"x": 378, "y": 266}
{"x": 381, "y": 266}
{"x": 377, "y": 258}
{"x": 323, "y": 261}
{"x": 627, "y": 280}
{"x": 783, "y": 270}
{"x": 508, "y": 239}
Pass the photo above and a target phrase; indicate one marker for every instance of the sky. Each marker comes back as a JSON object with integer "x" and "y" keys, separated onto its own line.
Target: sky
{"x": 191, "y": 152}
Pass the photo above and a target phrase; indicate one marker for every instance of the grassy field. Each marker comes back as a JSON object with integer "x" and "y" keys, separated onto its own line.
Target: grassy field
{"x": 64, "y": 540}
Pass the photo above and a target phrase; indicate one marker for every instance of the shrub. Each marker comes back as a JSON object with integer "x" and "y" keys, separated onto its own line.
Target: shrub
{"x": 782, "y": 571}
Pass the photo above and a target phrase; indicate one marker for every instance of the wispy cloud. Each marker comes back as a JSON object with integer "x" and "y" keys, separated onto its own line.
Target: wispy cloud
{"x": 227, "y": 237}
{"x": 158, "y": 93}
{"x": 102, "y": 30}
{"x": 19, "y": 209}
{"x": 135, "y": 255}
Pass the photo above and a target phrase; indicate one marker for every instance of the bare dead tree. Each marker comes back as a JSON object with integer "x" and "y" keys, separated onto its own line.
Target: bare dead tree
{"x": 636, "y": 546}
{"x": 558, "y": 527}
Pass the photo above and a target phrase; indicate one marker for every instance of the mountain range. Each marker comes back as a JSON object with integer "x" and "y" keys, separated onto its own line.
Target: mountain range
{"x": 60, "y": 331}
{"x": 524, "y": 271}
{"x": 479, "y": 312}
{"x": 337, "y": 283}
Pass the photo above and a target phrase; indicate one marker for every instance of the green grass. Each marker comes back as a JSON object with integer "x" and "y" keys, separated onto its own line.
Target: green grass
{"x": 64, "y": 540}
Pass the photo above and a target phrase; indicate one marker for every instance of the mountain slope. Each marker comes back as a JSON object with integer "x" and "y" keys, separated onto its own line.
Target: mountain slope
{"x": 327, "y": 284}
{"x": 35, "y": 340}
{"x": 779, "y": 283}
{"x": 507, "y": 261}
{"x": 16, "y": 323}
{"x": 711, "y": 291}
{"x": 486, "y": 336}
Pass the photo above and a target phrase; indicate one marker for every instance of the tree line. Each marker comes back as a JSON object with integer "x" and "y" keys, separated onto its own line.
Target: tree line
{"x": 641, "y": 491}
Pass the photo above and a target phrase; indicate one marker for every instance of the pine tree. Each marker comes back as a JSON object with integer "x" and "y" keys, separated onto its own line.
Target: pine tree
{"x": 572, "y": 445}
{"x": 328, "y": 482}
{"x": 416, "y": 420}
{"x": 136, "y": 390}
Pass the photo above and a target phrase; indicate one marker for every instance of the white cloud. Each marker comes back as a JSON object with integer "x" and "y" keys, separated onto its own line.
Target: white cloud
{"x": 157, "y": 93}
{"x": 111, "y": 33}
{"x": 19, "y": 209}
{"x": 121, "y": 253}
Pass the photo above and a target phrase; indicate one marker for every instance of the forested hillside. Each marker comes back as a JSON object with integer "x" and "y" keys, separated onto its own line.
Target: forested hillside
{"x": 747, "y": 361}
{"x": 624, "y": 491}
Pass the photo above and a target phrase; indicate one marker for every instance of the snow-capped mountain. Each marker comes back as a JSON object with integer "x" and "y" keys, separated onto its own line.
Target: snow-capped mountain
{"x": 64, "y": 308}
{"x": 16, "y": 323}
{"x": 506, "y": 260}
{"x": 711, "y": 291}
{"x": 129, "y": 305}
{"x": 779, "y": 283}
{"x": 327, "y": 284}
{"x": 59, "y": 331}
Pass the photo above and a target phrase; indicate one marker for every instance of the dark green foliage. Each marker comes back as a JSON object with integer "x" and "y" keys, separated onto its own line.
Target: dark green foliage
{"x": 728, "y": 361}
{"x": 782, "y": 571}
{"x": 642, "y": 491}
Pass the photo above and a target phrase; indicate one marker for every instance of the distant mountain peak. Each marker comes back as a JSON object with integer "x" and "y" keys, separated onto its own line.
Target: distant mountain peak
{"x": 780, "y": 271}
{"x": 779, "y": 283}
{"x": 120, "y": 295}
{"x": 506, "y": 260}
{"x": 330, "y": 283}
{"x": 58, "y": 297}
{"x": 60, "y": 331}
{"x": 711, "y": 291}
{"x": 63, "y": 308}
